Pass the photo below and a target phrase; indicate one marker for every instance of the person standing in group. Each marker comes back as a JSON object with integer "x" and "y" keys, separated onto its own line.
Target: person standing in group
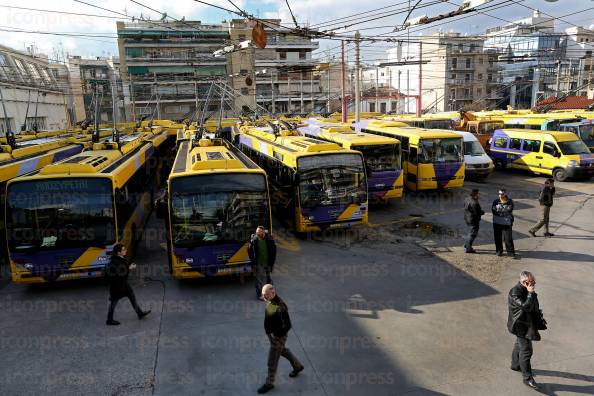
{"x": 262, "y": 253}
{"x": 546, "y": 201}
{"x": 117, "y": 275}
{"x": 503, "y": 221}
{"x": 277, "y": 324}
{"x": 523, "y": 306}
{"x": 472, "y": 217}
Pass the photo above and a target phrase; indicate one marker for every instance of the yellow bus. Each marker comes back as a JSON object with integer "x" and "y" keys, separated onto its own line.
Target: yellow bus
{"x": 63, "y": 220}
{"x": 314, "y": 184}
{"x": 381, "y": 154}
{"x": 216, "y": 197}
{"x": 431, "y": 158}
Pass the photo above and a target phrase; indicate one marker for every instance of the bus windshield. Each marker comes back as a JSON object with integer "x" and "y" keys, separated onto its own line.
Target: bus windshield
{"x": 489, "y": 127}
{"x": 381, "y": 158}
{"x": 473, "y": 148}
{"x": 573, "y": 147}
{"x": 335, "y": 179}
{"x": 440, "y": 150}
{"x": 439, "y": 124}
{"x": 60, "y": 214}
{"x": 217, "y": 209}
{"x": 587, "y": 132}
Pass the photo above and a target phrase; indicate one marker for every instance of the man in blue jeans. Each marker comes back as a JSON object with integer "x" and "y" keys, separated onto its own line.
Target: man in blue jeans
{"x": 262, "y": 252}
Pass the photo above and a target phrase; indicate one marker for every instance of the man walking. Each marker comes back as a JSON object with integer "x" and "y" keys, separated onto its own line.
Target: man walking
{"x": 546, "y": 201}
{"x": 262, "y": 252}
{"x": 472, "y": 217}
{"x": 523, "y": 305}
{"x": 277, "y": 324}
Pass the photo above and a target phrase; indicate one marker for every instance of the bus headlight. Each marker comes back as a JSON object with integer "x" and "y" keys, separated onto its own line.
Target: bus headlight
{"x": 572, "y": 163}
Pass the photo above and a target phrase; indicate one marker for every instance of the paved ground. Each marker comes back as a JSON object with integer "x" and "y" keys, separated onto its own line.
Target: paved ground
{"x": 395, "y": 308}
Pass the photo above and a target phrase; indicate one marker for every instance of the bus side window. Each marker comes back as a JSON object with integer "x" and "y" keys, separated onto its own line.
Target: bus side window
{"x": 472, "y": 129}
{"x": 532, "y": 145}
{"x": 515, "y": 144}
{"x": 500, "y": 142}
{"x": 549, "y": 148}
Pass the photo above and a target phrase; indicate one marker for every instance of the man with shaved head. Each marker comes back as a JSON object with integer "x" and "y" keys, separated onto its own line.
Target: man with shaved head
{"x": 277, "y": 324}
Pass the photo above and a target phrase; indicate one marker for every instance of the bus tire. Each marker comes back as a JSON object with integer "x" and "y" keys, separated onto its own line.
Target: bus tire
{"x": 559, "y": 174}
{"x": 499, "y": 165}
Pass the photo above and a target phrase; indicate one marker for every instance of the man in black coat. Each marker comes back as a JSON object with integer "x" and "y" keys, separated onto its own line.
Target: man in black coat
{"x": 117, "y": 275}
{"x": 472, "y": 217}
{"x": 262, "y": 253}
{"x": 277, "y": 324}
{"x": 523, "y": 305}
{"x": 546, "y": 201}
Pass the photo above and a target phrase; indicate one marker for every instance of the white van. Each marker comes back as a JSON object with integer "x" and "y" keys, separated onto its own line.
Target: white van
{"x": 478, "y": 164}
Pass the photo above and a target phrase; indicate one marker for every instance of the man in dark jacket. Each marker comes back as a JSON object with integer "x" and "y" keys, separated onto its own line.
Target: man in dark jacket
{"x": 277, "y": 324}
{"x": 262, "y": 252}
{"x": 546, "y": 201}
{"x": 472, "y": 217}
{"x": 117, "y": 275}
{"x": 523, "y": 305}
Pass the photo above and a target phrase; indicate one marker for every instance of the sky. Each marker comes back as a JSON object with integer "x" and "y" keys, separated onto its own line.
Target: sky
{"x": 315, "y": 13}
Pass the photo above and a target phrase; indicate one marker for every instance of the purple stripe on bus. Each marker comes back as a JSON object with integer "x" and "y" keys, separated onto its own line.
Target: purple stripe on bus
{"x": 445, "y": 172}
{"x": 208, "y": 259}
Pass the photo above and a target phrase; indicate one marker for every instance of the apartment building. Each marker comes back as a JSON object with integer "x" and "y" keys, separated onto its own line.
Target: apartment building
{"x": 167, "y": 67}
{"x": 456, "y": 73}
{"x": 32, "y": 92}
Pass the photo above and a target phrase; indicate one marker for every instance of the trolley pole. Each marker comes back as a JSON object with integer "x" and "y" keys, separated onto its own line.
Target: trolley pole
{"x": 343, "y": 85}
{"x": 419, "y": 98}
{"x": 357, "y": 78}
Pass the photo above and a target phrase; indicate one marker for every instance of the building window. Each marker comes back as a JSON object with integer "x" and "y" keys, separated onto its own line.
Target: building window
{"x": 36, "y": 123}
{"x": 468, "y": 63}
{"x": 467, "y": 94}
{"x": 480, "y": 60}
{"x": 467, "y": 77}
{"x": 479, "y": 91}
{"x": 452, "y": 94}
{"x": 372, "y": 107}
{"x": 460, "y": 47}
{"x": 383, "y": 107}
{"x": 480, "y": 76}
{"x": 454, "y": 62}
{"x": 489, "y": 77}
{"x": 453, "y": 76}
{"x": 3, "y": 125}
{"x": 302, "y": 55}
{"x": 282, "y": 54}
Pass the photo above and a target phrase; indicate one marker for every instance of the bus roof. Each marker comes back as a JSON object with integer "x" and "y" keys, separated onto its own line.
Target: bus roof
{"x": 210, "y": 156}
{"x": 420, "y": 133}
{"x": 343, "y": 135}
{"x": 557, "y": 135}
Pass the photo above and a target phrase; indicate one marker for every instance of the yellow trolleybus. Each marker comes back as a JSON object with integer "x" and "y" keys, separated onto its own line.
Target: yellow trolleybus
{"x": 431, "y": 158}
{"x": 63, "y": 219}
{"x": 314, "y": 184}
{"x": 381, "y": 155}
{"x": 216, "y": 197}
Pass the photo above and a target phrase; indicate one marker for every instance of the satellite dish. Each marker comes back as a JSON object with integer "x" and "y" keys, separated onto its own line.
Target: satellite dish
{"x": 259, "y": 35}
{"x": 248, "y": 81}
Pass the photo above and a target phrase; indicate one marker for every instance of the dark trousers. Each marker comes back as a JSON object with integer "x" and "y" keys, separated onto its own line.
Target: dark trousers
{"x": 131, "y": 297}
{"x": 503, "y": 233}
{"x": 278, "y": 349}
{"x": 544, "y": 219}
{"x": 262, "y": 277}
{"x": 473, "y": 230}
{"x": 521, "y": 356}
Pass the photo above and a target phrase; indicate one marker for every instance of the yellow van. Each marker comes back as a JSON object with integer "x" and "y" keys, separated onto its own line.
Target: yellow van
{"x": 560, "y": 154}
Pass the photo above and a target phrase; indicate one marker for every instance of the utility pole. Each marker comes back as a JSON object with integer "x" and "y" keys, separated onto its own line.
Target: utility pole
{"x": 420, "y": 97}
{"x": 389, "y": 88}
{"x": 357, "y": 78}
{"x": 589, "y": 76}
{"x": 272, "y": 91}
{"x": 398, "y": 104}
{"x": 407, "y": 102}
{"x": 376, "y": 88}
{"x": 328, "y": 91}
{"x": 557, "y": 86}
{"x": 343, "y": 84}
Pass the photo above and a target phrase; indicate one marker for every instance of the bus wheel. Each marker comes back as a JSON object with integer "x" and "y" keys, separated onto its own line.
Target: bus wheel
{"x": 499, "y": 165}
{"x": 559, "y": 174}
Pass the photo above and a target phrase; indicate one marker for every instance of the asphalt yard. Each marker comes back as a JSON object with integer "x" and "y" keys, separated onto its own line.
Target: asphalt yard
{"x": 393, "y": 308}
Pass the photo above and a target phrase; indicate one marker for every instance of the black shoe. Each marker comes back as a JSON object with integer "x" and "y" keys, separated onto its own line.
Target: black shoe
{"x": 499, "y": 253}
{"x": 296, "y": 372}
{"x": 471, "y": 250}
{"x": 515, "y": 256}
{"x": 265, "y": 388}
{"x": 532, "y": 233}
{"x": 112, "y": 322}
{"x": 142, "y": 314}
{"x": 516, "y": 368}
{"x": 531, "y": 383}
{"x": 549, "y": 234}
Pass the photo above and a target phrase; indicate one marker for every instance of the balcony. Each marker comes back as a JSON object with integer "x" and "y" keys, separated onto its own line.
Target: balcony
{"x": 460, "y": 81}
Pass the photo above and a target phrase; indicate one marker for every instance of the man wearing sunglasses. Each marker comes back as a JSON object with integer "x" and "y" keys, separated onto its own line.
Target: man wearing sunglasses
{"x": 522, "y": 304}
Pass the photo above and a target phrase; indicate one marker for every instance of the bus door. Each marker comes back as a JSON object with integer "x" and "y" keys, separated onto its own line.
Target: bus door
{"x": 549, "y": 157}
{"x": 412, "y": 169}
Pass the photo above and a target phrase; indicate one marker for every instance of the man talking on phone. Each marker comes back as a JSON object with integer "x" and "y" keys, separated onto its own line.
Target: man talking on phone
{"x": 523, "y": 304}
